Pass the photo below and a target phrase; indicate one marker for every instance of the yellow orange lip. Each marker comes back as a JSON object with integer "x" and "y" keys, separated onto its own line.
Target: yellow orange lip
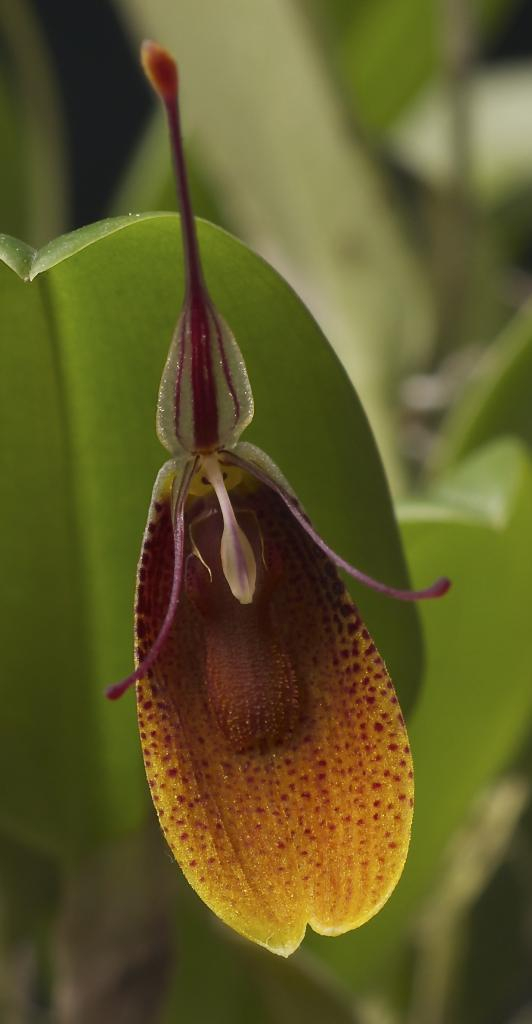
{"x": 275, "y": 749}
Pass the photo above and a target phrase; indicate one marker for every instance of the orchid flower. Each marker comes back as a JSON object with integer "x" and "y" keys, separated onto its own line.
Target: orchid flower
{"x": 273, "y": 741}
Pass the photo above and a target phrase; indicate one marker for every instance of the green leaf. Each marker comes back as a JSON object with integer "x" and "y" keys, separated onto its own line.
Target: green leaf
{"x": 148, "y": 183}
{"x": 50, "y": 761}
{"x": 373, "y": 36}
{"x": 477, "y": 695}
{"x": 83, "y": 347}
{"x": 498, "y": 400}
{"x": 17, "y": 255}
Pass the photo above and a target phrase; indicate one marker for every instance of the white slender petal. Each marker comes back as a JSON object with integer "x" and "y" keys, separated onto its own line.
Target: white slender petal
{"x": 238, "y": 560}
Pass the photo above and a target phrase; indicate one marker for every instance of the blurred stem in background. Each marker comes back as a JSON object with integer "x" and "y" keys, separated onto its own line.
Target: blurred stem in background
{"x": 472, "y": 858}
{"x": 113, "y": 947}
{"x": 458, "y": 239}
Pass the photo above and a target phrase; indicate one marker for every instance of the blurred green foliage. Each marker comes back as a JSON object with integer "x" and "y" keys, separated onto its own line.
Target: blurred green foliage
{"x": 373, "y": 156}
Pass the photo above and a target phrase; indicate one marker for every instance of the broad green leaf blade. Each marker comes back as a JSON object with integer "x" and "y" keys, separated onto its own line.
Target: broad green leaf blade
{"x": 272, "y": 139}
{"x": 17, "y": 255}
{"x": 477, "y": 695}
{"x": 62, "y": 248}
{"x": 50, "y": 759}
{"x": 406, "y": 35}
{"x": 499, "y": 399}
{"x": 85, "y": 344}
{"x": 147, "y": 182}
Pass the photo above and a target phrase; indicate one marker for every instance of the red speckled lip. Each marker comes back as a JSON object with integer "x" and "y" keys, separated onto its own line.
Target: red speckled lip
{"x": 273, "y": 742}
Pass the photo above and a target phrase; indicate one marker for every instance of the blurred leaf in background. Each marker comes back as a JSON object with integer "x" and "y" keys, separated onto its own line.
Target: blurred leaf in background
{"x": 366, "y": 39}
{"x": 34, "y": 189}
{"x": 498, "y": 400}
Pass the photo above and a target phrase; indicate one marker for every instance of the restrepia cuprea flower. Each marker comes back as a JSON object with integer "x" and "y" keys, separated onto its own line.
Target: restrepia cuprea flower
{"x": 273, "y": 741}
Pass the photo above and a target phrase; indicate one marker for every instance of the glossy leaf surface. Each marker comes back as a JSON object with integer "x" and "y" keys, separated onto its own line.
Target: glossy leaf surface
{"x": 84, "y": 346}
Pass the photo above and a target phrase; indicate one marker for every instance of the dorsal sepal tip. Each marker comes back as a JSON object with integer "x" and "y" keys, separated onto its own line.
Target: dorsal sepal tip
{"x": 160, "y": 69}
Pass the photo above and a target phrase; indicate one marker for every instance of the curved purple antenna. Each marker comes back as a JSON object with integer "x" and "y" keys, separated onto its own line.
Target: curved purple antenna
{"x": 117, "y": 689}
{"x": 178, "y": 514}
{"x": 437, "y": 589}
